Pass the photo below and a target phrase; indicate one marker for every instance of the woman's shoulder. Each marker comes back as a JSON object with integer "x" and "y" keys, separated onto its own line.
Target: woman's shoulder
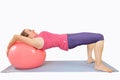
{"x": 45, "y": 32}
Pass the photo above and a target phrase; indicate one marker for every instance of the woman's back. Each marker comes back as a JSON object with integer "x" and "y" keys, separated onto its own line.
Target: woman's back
{"x": 54, "y": 40}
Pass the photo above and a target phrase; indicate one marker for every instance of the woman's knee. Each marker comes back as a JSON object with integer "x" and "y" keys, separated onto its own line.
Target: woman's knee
{"x": 101, "y": 42}
{"x": 100, "y": 37}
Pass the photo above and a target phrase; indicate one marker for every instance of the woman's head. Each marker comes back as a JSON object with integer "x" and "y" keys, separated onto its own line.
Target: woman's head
{"x": 28, "y": 33}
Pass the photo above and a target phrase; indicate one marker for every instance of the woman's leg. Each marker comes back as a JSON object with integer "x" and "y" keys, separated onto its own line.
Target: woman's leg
{"x": 88, "y": 38}
{"x": 98, "y": 48}
{"x": 90, "y": 48}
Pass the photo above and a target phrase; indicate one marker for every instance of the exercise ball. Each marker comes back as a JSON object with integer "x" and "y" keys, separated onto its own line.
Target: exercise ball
{"x": 24, "y": 56}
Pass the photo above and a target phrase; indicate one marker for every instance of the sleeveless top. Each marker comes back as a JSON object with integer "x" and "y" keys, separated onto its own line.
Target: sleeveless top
{"x": 54, "y": 40}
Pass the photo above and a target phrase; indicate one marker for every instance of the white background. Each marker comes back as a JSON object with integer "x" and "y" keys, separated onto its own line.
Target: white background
{"x": 62, "y": 16}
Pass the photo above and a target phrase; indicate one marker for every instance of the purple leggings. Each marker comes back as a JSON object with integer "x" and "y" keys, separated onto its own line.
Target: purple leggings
{"x": 83, "y": 38}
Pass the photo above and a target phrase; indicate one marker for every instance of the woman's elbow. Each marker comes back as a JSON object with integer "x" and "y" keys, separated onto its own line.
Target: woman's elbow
{"x": 38, "y": 46}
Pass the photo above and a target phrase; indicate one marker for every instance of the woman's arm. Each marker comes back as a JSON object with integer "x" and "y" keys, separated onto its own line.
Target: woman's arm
{"x": 13, "y": 40}
{"x": 35, "y": 42}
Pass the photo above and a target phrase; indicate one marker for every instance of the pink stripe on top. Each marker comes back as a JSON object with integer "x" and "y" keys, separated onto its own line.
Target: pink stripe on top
{"x": 54, "y": 40}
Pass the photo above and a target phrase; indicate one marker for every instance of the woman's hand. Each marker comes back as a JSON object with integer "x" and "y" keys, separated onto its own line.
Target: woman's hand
{"x": 13, "y": 40}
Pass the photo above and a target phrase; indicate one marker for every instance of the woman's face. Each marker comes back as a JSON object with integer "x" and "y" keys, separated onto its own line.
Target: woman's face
{"x": 31, "y": 33}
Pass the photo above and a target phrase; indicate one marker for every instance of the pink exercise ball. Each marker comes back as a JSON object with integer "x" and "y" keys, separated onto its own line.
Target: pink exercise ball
{"x": 23, "y": 56}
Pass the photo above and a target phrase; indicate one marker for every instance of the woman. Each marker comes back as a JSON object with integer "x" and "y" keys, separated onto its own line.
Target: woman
{"x": 46, "y": 40}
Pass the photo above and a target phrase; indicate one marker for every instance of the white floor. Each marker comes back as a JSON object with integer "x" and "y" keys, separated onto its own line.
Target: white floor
{"x": 60, "y": 75}
{"x": 62, "y": 16}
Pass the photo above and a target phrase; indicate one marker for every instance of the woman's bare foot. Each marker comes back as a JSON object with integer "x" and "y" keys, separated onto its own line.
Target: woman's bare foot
{"x": 90, "y": 61}
{"x": 103, "y": 68}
